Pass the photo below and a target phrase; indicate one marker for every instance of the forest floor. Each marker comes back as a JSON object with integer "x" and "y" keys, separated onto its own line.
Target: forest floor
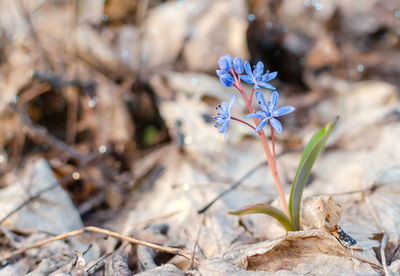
{"x": 109, "y": 156}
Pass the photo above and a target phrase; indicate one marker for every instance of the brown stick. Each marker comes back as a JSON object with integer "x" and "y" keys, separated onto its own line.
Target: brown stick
{"x": 41, "y": 134}
{"x": 171, "y": 250}
{"x": 72, "y": 114}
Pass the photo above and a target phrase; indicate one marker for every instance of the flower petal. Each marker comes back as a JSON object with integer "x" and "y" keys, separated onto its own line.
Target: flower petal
{"x": 223, "y": 64}
{"x": 258, "y": 70}
{"x": 273, "y": 101}
{"x": 269, "y": 76}
{"x": 283, "y": 110}
{"x": 238, "y": 65}
{"x": 247, "y": 68}
{"x": 276, "y": 125}
{"x": 229, "y": 59}
{"x": 226, "y": 80}
{"x": 224, "y": 107}
{"x": 266, "y": 85}
{"x": 253, "y": 115}
{"x": 261, "y": 101}
{"x": 221, "y": 72}
{"x": 224, "y": 127}
{"x": 247, "y": 78}
{"x": 218, "y": 120}
{"x": 261, "y": 125}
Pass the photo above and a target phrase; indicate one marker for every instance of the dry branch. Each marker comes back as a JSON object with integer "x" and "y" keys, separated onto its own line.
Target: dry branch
{"x": 93, "y": 229}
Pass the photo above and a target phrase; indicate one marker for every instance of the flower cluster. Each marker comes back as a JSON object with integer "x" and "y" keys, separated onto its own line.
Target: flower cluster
{"x": 231, "y": 73}
{"x": 228, "y": 67}
{"x": 225, "y": 72}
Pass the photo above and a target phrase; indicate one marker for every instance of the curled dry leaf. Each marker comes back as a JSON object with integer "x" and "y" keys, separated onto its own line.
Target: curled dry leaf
{"x": 299, "y": 252}
{"x": 321, "y": 213}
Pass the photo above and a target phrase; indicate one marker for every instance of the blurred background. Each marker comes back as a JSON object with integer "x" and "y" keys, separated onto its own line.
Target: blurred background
{"x": 113, "y": 99}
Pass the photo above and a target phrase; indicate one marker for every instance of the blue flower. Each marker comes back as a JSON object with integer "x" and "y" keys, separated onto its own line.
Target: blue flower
{"x": 225, "y": 63}
{"x": 225, "y": 78}
{"x": 256, "y": 76}
{"x": 224, "y": 115}
{"x": 238, "y": 65}
{"x": 268, "y": 113}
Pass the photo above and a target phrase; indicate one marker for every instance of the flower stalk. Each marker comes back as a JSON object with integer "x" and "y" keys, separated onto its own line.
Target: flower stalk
{"x": 271, "y": 158}
{"x": 243, "y": 122}
{"x": 231, "y": 74}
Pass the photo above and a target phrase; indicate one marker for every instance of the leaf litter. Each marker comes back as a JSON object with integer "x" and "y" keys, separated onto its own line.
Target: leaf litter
{"x": 105, "y": 120}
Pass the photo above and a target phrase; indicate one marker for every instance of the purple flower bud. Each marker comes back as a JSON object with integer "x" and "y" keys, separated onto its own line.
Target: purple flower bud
{"x": 220, "y": 72}
{"x": 226, "y": 79}
{"x": 238, "y": 65}
{"x": 225, "y": 63}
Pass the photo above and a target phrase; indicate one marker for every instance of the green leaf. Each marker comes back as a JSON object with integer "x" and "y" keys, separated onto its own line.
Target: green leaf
{"x": 310, "y": 154}
{"x": 268, "y": 210}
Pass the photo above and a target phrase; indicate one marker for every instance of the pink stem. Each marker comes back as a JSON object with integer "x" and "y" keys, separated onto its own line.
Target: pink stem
{"x": 267, "y": 151}
{"x": 251, "y": 96}
{"x": 239, "y": 120}
{"x": 273, "y": 144}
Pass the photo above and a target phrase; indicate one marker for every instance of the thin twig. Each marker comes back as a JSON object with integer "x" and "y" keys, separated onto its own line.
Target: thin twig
{"x": 373, "y": 187}
{"x": 60, "y": 81}
{"x": 30, "y": 199}
{"x": 393, "y": 255}
{"x": 72, "y": 114}
{"x": 41, "y": 133}
{"x": 56, "y": 184}
{"x": 233, "y": 187}
{"x": 33, "y": 92}
{"x": 93, "y": 229}
{"x": 192, "y": 266}
{"x": 98, "y": 264}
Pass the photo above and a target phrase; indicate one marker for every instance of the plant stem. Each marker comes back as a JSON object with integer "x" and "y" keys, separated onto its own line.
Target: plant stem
{"x": 251, "y": 95}
{"x": 264, "y": 142}
{"x": 274, "y": 171}
{"x": 273, "y": 144}
{"x": 239, "y": 120}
